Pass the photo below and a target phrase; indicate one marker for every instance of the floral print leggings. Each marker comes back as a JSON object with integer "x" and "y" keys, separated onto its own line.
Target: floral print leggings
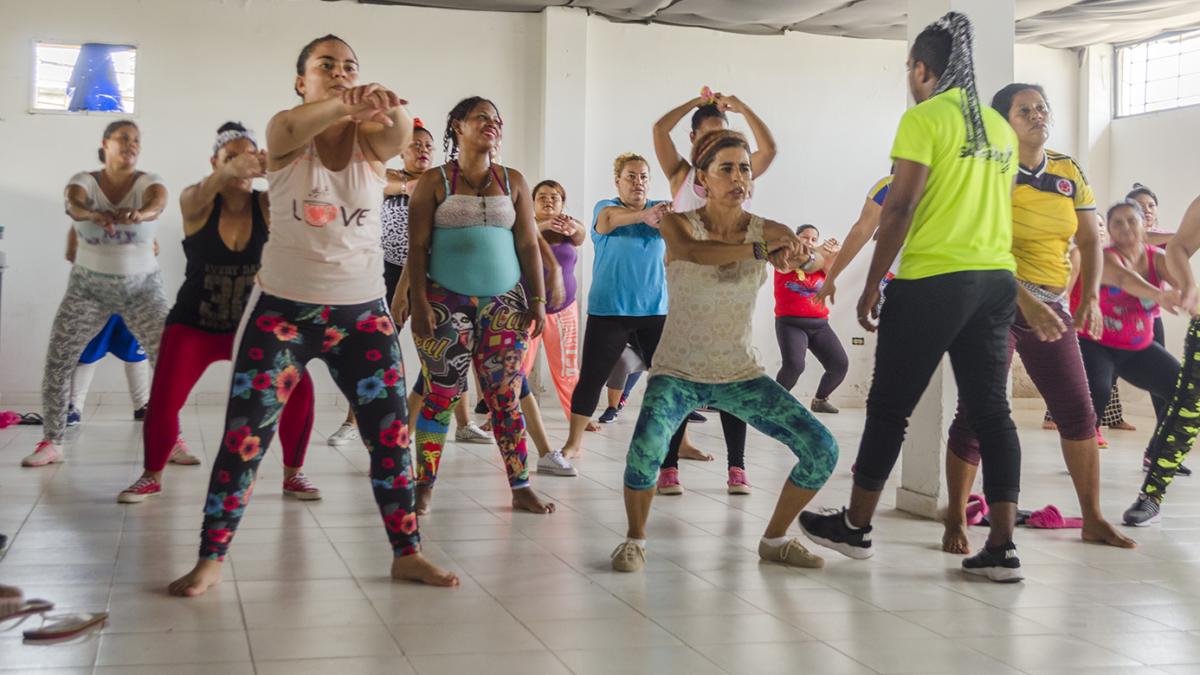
{"x": 492, "y": 332}
{"x": 278, "y": 337}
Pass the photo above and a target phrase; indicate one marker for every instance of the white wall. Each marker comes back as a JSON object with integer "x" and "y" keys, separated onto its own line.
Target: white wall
{"x": 832, "y": 104}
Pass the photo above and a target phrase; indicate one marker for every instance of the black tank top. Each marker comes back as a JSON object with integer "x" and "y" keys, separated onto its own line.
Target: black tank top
{"x": 218, "y": 280}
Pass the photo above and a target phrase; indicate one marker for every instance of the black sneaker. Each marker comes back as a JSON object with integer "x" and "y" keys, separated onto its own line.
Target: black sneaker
{"x": 998, "y": 564}
{"x": 696, "y": 417}
{"x": 1145, "y": 511}
{"x": 609, "y": 415}
{"x": 481, "y": 407}
{"x": 139, "y": 415}
{"x": 829, "y": 529}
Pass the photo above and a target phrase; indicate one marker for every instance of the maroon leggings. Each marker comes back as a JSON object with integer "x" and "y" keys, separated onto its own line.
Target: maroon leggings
{"x": 1056, "y": 369}
{"x": 184, "y": 355}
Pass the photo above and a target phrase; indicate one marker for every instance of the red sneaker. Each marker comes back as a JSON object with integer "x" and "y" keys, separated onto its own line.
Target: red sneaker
{"x": 1100, "y": 440}
{"x": 668, "y": 482}
{"x": 137, "y": 493}
{"x": 300, "y": 487}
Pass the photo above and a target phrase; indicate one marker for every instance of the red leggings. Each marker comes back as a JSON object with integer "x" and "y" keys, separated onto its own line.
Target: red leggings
{"x": 184, "y": 355}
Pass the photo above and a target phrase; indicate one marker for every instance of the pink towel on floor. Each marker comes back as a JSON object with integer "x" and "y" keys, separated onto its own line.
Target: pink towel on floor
{"x": 8, "y": 418}
{"x": 977, "y": 509}
{"x": 1050, "y": 518}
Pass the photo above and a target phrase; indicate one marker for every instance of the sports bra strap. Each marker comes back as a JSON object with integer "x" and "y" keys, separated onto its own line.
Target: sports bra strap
{"x": 452, "y": 184}
{"x": 507, "y": 189}
{"x": 446, "y": 183}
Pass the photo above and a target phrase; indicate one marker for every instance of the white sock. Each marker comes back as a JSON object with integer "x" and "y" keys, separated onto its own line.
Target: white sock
{"x": 846, "y": 517}
{"x": 640, "y": 542}
{"x": 774, "y": 542}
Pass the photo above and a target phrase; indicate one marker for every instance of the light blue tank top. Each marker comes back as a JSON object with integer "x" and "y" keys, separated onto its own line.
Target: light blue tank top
{"x": 473, "y": 250}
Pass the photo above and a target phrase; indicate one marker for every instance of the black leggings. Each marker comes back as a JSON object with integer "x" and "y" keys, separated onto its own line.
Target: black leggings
{"x": 967, "y": 314}
{"x": 797, "y": 335}
{"x": 604, "y": 339}
{"x": 1152, "y": 369}
{"x": 734, "y": 430}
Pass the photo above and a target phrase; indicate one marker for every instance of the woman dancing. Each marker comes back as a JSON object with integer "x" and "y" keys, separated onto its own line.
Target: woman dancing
{"x": 115, "y": 272}
{"x": 472, "y": 239}
{"x": 717, "y": 263}
{"x": 1052, "y": 204}
{"x": 320, "y": 295}
{"x": 225, "y": 228}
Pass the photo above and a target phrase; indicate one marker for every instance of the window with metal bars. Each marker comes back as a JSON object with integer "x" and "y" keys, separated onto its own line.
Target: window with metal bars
{"x": 1158, "y": 74}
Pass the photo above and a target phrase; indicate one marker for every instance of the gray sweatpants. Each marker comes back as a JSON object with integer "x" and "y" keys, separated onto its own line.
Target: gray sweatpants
{"x": 90, "y": 299}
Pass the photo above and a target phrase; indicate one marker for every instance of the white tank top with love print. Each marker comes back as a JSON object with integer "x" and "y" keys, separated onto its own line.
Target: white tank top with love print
{"x": 325, "y": 234}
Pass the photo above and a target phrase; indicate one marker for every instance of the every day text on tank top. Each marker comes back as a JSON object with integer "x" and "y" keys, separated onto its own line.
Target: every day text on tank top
{"x": 325, "y": 234}
{"x": 218, "y": 279}
{"x": 707, "y": 336}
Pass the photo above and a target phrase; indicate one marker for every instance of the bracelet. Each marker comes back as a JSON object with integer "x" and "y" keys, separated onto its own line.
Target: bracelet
{"x": 537, "y": 299}
{"x": 760, "y": 250}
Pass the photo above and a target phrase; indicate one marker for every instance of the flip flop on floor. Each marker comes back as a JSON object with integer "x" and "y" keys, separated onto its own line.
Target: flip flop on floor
{"x": 66, "y": 626}
{"x": 1050, "y": 518}
{"x": 28, "y": 607}
{"x": 31, "y": 419}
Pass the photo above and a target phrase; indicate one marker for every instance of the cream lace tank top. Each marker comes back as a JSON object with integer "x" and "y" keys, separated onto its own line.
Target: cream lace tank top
{"x": 707, "y": 337}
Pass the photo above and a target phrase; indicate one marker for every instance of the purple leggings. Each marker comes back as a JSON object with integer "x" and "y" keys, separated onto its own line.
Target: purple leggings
{"x": 1056, "y": 369}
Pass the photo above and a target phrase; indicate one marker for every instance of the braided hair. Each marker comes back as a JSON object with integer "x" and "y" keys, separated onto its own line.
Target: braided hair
{"x": 955, "y": 69}
{"x": 457, "y": 114}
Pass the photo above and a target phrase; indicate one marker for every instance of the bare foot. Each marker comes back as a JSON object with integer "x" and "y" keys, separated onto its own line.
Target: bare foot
{"x": 572, "y": 451}
{"x": 592, "y": 426}
{"x": 954, "y": 540}
{"x": 525, "y": 499}
{"x": 424, "y": 495}
{"x": 416, "y": 568}
{"x": 1102, "y": 532}
{"x": 692, "y": 452}
{"x": 205, "y": 574}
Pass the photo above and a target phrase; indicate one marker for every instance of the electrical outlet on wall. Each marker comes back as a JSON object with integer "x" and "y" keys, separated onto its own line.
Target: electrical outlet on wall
{"x": 857, "y": 341}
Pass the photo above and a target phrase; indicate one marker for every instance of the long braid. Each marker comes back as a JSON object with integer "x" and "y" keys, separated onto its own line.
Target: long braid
{"x": 960, "y": 72}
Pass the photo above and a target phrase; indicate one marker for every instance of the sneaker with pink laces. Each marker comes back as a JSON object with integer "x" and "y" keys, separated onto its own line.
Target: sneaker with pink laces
{"x": 141, "y": 489}
{"x": 46, "y": 452}
{"x": 180, "y": 454}
{"x": 668, "y": 482}
{"x": 738, "y": 483}
{"x": 300, "y": 487}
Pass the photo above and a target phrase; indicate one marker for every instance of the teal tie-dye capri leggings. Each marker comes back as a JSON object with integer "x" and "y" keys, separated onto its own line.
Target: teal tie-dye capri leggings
{"x": 760, "y": 402}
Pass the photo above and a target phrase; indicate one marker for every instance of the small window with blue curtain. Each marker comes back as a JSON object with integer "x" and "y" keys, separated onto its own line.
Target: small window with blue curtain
{"x": 92, "y": 77}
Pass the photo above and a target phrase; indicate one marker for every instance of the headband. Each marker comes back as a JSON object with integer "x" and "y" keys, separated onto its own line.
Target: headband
{"x": 231, "y": 135}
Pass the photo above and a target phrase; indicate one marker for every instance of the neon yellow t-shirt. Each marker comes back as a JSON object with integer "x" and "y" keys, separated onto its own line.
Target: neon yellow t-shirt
{"x": 1045, "y": 206}
{"x": 964, "y": 219}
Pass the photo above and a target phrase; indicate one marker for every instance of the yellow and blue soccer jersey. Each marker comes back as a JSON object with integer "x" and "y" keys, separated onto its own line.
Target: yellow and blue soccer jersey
{"x": 1045, "y": 205}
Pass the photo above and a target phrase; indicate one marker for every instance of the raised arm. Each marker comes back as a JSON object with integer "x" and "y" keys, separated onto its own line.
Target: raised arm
{"x": 529, "y": 253}
{"x": 669, "y": 160}
{"x": 196, "y": 201}
{"x": 386, "y": 126}
{"x": 764, "y": 142}
{"x": 78, "y": 207}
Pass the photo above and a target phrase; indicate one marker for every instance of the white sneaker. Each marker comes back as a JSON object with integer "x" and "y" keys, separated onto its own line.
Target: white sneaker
{"x": 471, "y": 433}
{"x": 45, "y": 453}
{"x": 346, "y": 434}
{"x": 555, "y": 465}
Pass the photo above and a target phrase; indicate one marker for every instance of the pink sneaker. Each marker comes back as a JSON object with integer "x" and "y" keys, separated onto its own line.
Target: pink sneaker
{"x": 1100, "y": 440}
{"x": 668, "y": 482}
{"x": 738, "y": 484}
{"x": 300, "y": 487}
{"x": 45, "y": 452}
{"x": 137, "y": 493}
{"x": 180, "y": 454}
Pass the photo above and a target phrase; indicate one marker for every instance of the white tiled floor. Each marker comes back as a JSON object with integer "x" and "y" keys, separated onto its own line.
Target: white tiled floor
{"x": 306, "y": 589}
